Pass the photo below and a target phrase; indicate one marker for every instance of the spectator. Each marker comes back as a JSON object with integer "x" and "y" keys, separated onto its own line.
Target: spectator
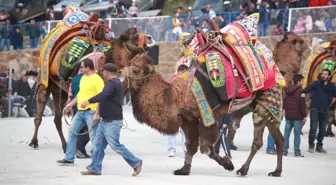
{"x": 278, "y": 30}
{"x": 6, "y": 33}
{"x": 295, "y": 114}
{"x": 133, "y": 10}
{"x": 112, "y": 10}
{"x": 50, "y": 16}
{"x": 300, "y": 24}
{"x": 188, "y": 27}
{"x": 314, "y": 3}
{"x": 177, "y": 26}
{"x": 3, "y": 95}
{"x": 16, "y": 15}
{"x": 322, "y": 91}
{"x": 25, "y": 88}
{"x": 179, "y": 11}
{"x": 308, "y": 23}
{"x": 203, "y": 17}
{"x": 172, "y": 144}
{"x": 321, "y": 27}
{"x": 34, "y": 33}
{"x": 205, "y": 26}
{"x": 17, "y": 39}
{"x": 64, "y": 11}
{"x": 212, "y": 14}
{"x": 264, "y": 17}
{"x": 331, "y": 24}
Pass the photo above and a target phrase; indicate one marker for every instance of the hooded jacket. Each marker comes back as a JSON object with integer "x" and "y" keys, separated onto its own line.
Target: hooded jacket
{"x": 294, "y": 103}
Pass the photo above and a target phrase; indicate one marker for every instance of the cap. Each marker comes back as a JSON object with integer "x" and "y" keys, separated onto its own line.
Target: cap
{"x": 110, "y": 67}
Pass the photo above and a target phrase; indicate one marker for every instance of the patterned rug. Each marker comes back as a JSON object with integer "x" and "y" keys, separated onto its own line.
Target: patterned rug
{"x": 205, "y": 96}
{"x": 271, "y": 99}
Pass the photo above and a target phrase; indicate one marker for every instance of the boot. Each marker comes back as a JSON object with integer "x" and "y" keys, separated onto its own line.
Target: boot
{"x": 319, "y": 148}
{"x": 311, "y": 148}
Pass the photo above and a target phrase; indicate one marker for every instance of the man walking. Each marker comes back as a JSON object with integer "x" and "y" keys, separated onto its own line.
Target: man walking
{"x": 295, "y": 114}
{"x": 322, "y": 91}
{"x": 111, "y": 120}
{"x": 90, "y": 85}
{"x": 82, "y": 139}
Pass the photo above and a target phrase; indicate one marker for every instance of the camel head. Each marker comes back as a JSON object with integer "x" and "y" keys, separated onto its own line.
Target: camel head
{"x": 299, "y": 44}
{"x": 136, "y": 42}
{"x": 137, "y": 74}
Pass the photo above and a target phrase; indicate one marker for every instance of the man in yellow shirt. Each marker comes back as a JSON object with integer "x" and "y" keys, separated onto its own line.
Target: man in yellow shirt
{"x": 90, "y": 85}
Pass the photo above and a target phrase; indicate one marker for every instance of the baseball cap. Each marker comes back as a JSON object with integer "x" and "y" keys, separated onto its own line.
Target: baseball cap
{"x": 110, "y": 67}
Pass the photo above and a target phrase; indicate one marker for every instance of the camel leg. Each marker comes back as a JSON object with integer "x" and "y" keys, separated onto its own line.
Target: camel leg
{"x": 208, "y": 137}
{"x": 331, "y": 121}
{"x": 190, "y": 130}
{"x": 235, "y": 124}
{"x": 60, "y": 97}
{"x": 42, "y": 95}
{"x": 273, "y": 127}
{"x": 260, "y": 115}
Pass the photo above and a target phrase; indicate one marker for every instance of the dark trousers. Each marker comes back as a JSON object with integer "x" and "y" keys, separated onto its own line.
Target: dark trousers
{"x": 82, "y": 140}
{"x": 318, "y": 118}
{"x": 224, "y": 142}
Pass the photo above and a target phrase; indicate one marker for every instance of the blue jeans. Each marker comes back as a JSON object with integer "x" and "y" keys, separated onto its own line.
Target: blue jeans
{"x": 78, "y": 122}
{"x": 263, "y": 29}
{"x": 33, "y": 42}
{"x": 172, "y": 142}
{"x": 318, "y": 118}
{"x": 297, "y": 124}
{"x": 108, "y": 133}
{"x": 270, "y": 143}
{"x": 5, "y": 42}
{"x": 18, "y": 98}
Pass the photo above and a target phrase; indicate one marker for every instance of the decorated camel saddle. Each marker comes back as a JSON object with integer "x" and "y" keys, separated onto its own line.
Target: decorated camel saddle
{"x": 230, "y": 66}
{"x": 322, "y": 56}
{"x": 67, "y": 43}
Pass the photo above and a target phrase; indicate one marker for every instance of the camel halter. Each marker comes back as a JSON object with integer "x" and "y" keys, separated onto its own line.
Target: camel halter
{"x": 129, "y": 77}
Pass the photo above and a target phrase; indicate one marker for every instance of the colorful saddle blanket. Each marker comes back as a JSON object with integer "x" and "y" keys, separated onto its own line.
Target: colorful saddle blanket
{"x": 204, "y": 94}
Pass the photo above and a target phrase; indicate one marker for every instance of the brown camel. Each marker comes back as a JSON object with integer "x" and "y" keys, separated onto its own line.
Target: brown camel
{"x": 287, "y": 55}
{"x": 122, "y": 51}
{"x": 161, "y": 106}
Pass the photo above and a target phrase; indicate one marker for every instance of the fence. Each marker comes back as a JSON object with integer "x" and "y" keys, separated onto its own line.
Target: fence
{"x": 312, "y": 20}
{"x": 162, "y": 29}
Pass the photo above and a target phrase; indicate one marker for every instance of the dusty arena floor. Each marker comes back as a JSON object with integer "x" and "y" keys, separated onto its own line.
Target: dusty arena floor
{"x": 21, "y": 165}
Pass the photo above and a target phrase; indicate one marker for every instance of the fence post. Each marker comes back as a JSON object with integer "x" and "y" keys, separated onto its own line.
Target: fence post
{"x": 48, "y": 26}
{"x": 170, "y": 19}
{"x": 230, "y": 17}
{"x": 289, "y": 19}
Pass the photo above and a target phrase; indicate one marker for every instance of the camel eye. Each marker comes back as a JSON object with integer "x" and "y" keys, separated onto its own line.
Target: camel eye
{"x": 136, "y": 71}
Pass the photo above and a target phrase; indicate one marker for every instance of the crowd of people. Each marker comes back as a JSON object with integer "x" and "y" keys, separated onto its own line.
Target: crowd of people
{"x": 20, "y": 93}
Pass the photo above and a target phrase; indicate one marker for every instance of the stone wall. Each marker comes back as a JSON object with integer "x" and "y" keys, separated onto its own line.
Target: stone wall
{"x": 169, "y": 54}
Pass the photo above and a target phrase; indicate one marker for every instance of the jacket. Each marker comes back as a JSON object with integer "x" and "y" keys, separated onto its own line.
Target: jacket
{"x": 321, "y": 94}
{"x": 294, "y": 103}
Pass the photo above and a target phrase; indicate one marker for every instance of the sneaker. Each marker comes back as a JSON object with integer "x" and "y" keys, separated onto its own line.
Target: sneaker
{"x": 171, "y": 154}
{"x": 299, "y": 155}
{"x": 285, "y": 153}
{"x": 271, "y": 152}
{"x": 88, "y": 166}
{"x": 64, "y": 162}
{"x": 137, "y": 169}
{"x": 228, "y": 156}
{"x": 81, "y": 155}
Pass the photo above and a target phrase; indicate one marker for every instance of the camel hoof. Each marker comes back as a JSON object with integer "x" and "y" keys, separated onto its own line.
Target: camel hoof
{"x": 242, "y": 171}
{"x": 276, "y": 173}
{"x": 228, "y": 165}
{"x": 185, "y": 170}
{"x": 34, "y": 144}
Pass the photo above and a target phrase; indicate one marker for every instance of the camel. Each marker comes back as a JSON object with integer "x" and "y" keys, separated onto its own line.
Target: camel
{"x": 287, "y": 55}
{"x": 162, "y": 106}
{"x": 121, "y": 52}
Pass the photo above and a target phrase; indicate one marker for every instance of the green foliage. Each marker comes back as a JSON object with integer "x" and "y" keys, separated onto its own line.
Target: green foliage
{"x": 171, "y": 6}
